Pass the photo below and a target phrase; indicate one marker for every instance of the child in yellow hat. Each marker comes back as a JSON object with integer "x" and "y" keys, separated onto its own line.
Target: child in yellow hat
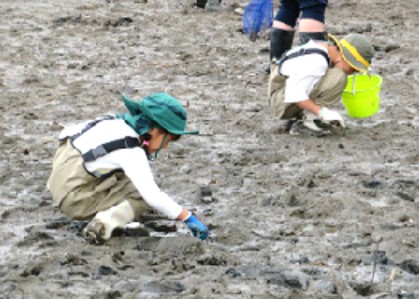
{"x": 310, "y": 78}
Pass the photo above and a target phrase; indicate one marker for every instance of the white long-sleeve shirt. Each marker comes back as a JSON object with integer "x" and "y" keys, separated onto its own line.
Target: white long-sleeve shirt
{"x": 133, "y": 161}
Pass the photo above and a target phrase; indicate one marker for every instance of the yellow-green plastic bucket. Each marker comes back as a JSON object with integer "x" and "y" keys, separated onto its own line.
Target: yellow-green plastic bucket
{"x": 361, "y": 95}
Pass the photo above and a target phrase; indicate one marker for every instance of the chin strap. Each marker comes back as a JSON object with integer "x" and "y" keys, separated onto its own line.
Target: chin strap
{"x": 154, "y": 155}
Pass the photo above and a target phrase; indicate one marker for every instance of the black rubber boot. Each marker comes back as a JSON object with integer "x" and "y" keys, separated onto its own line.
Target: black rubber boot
{"x": 281, "y": 41}
{"x": 305, "y": 37}
{"x": 201, "y": 3}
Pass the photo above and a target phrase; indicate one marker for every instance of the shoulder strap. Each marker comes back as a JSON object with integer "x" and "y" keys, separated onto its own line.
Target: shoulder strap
{"x": 91, "y": 125}
{"x": 103, "y": 149}
{"x": 301, "y": 52}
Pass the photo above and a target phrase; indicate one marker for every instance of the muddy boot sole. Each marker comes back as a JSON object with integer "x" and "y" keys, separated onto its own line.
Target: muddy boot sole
{"x": 94, "y": 232}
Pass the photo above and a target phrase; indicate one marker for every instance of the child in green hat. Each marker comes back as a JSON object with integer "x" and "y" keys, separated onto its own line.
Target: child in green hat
{"x": 101, "y": 169}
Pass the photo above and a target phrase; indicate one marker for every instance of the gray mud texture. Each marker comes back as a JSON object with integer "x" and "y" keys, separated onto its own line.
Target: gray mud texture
{"x": 291, "y": 216}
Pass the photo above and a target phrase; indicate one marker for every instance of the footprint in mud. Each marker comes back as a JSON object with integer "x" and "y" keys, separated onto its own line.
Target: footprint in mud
{"x": 80, "y": 19}
{"x": 36, "y": 267}
{"x": 371, "y": 184}
{"x": 33, "y": 238}
{"x": 410, "y": 266}
{"x": 163, "y": 287}
{"x": 58, "y": 223}
{"x": 131, "y": 232}
{"x": 161, "y": 226}
{"x": 35, "y": 271}
{"x": 104, "y": 271}
{"x": 186, "y": 245}
{"x": 213, "y": 260}
{"x": 73, "y": 260}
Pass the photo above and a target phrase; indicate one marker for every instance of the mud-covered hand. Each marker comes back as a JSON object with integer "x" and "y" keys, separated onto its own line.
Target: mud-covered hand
{"x": 330, "y": 116}
{"x": 197, "y": 228}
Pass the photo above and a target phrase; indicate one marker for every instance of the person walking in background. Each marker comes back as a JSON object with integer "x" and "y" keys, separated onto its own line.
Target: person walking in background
{"x": 200, "y": 3}
{"x": 311, "y": 77}
{"x": 207, "y": 4}
{"x": 101, "y": 172}
{"x": 311, "y": 17}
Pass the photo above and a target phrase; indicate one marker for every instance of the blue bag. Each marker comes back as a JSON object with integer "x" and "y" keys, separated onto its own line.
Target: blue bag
{"x": 257, "y": 18}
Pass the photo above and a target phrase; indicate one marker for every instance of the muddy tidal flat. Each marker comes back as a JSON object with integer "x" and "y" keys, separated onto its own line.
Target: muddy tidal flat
{"x": 291, "y": 216}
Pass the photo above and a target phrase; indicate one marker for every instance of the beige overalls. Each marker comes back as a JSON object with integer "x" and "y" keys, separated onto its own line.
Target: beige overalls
{"x": 326, "y": 92}
{"x": 81, "y": 195}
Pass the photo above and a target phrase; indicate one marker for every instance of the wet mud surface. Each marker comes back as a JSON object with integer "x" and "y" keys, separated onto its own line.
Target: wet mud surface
{"x": 292, "y": 216}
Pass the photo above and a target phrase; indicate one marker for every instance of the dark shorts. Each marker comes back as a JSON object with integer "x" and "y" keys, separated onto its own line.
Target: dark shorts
{"x": 290, "y": 11}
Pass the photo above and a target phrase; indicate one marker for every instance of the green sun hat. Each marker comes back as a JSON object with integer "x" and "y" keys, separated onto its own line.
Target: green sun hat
{"x": 163, "y": 109}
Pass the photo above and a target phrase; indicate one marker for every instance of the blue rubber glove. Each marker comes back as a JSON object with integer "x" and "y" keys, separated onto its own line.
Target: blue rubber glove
{"x": 197, "y": 228}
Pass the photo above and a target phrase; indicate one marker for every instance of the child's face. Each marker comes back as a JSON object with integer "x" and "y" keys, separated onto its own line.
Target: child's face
{"x": 347, "y": 68}
{"x": 159, "y": 136}
{"x": 342, "y": 64}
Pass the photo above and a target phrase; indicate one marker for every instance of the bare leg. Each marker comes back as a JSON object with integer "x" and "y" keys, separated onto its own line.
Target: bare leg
{"x": 310, "y": 25}
{"x": 281, "y": 25}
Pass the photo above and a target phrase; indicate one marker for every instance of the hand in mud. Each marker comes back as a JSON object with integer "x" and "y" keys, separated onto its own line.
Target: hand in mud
{"x": 197, "y": 228}
{"x": 331, "y": 117}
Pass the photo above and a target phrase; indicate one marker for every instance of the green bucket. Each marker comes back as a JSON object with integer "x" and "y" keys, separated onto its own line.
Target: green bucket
{"x": 361, "y": 95}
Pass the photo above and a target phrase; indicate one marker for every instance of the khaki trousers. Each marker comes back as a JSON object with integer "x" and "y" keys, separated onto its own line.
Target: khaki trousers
{"x": 80, "y": 195}
{"x": 326, "y": 92}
